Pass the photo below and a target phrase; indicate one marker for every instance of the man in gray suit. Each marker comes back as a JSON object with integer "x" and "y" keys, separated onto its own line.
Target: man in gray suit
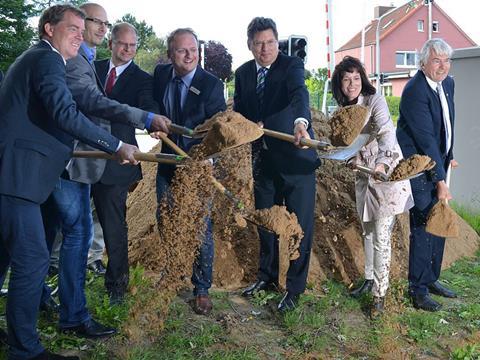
{"x": 71, "y": 200}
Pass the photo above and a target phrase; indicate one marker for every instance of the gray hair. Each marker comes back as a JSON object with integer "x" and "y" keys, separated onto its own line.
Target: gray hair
{"x": 259, "y": 24}
{"x": 438, "y": 46}
{"x": 118, "y": 28}
{"x": 54, "y": 14}
{"x": 174, "y": 33}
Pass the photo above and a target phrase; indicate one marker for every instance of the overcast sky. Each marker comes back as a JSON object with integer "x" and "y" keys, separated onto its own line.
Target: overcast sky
{"x": 226, "y": 21}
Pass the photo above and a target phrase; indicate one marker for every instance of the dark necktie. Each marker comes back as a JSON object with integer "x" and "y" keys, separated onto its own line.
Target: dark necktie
{"x": 261, "y": 74}
{"x": 177, "y": 101}
{"x": 110, "y": 81}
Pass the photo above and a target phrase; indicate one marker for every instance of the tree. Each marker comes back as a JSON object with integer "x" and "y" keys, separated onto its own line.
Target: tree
{"x": 40, "y": 5}
{"x": 15, "y": 33}
{"x": 144, "y": 31}
{"x": 218, "y": 60}
{"x": 153, "y": 53}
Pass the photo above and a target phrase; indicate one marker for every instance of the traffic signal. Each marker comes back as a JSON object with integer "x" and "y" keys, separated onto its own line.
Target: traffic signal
{"x": 297, "y": 46}
{"x": 283, "y": 46}
{"x": 383, "y": 78}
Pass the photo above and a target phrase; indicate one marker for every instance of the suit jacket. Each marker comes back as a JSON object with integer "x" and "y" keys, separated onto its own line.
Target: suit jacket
{"x": 39, "y": 122}
{"x": 199, "y": 106}
{"x": 91, "y": 99}
{"x": 421, "y": 130}
{"x": 285, "y": 99}
{"x": 133, "y": 87}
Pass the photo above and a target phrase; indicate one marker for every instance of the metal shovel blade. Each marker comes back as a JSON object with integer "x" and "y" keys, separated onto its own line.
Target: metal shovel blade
{"x": 345, "y": 153}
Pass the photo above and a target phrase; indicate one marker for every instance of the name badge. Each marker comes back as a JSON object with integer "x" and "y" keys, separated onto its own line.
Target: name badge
{"x": 194, "y": 90}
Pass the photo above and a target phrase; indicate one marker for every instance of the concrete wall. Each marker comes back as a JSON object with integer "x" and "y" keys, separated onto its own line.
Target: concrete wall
{"x": 465, "y": 180}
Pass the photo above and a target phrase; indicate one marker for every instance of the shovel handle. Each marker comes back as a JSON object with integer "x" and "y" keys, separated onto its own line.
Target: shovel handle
{"x": 314, "y": 144}
{"x": 377, "y": 175}
{"x": 172, "y": 145}
{"x": 140, "y": 156}
{"x": 181, "y": 130}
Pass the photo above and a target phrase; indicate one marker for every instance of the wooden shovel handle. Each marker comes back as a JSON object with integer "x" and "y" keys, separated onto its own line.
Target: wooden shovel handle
{"x": 140, "y": 156}
{"x": 314, "y": 144}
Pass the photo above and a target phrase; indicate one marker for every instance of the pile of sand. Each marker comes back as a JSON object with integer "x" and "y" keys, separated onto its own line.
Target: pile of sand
{"x": 412, "y": 166}
{"x": 337, "y": 250}
{"x": 346, "y": 124}
{"x": 226, "y": 130}
{"x": 442, "y": 221}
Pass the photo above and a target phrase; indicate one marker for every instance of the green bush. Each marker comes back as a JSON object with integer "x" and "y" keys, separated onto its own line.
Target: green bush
{"x": 393, "y": 103}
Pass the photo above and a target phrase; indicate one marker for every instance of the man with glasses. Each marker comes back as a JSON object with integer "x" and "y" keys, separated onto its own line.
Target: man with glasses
{"x": 425, "y": 127}
{"x": 189, "y": 95}
{"x": 270, "y": 90}
{"x": 125, "y": 82}
{"x": 71, "y": 199}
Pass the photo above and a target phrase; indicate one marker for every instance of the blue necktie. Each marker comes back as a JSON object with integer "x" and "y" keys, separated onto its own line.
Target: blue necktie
{"x": 261, "y": 74}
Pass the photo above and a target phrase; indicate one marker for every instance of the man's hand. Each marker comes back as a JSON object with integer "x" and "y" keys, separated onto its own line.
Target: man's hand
{"x": 453, "y": 163}
{"x": 300, "y": 131}
{"x": 157, "y": 135}
{"x": 124, "y": 155}
{"x": 443, "y": 193}
{"x": 160, "y": 123}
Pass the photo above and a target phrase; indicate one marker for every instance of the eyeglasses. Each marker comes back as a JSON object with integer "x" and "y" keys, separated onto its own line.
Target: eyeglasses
{"x": 268, "y": 44}
{"x": 125, "y": 45}
{"x": 183, "y": 51}
{"x": 99, "y": 22}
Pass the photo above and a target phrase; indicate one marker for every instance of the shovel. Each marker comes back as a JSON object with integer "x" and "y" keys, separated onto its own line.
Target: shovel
{"x": 218, "y": 185}
{"x": 140, "y": 156}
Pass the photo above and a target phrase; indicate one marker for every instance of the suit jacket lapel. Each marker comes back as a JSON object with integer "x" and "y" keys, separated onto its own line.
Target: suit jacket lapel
{"x": 193, "y": 96}
{"x": 164, "y": 78}
{"x": 102, "y": 70}
{"x": 99, "y": 82}
{"x": 123, "y": 79}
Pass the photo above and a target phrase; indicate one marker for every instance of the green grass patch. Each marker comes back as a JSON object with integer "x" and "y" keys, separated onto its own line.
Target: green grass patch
{"x": 472, "y": 217}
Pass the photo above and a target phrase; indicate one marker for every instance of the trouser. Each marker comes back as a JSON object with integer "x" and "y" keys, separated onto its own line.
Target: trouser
{"x": 377, "y": 243}
{"x": 23, "y": 247}
{"x": 298, "y": 195}
{"x": 426, "y": 254}
{"x": 71, "y": 201}
{"x": 203, "y": 265}
{"x": 111, "y": 207}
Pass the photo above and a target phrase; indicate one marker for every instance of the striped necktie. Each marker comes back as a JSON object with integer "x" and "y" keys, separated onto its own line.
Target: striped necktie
{"x": 261, "y": 74}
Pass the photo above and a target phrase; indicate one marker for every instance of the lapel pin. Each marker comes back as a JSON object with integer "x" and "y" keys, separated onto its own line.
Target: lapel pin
{"x": 194, "y": 90}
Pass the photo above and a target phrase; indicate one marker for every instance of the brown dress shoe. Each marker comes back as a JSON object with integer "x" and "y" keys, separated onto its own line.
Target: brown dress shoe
{"x": 203, "y": 305}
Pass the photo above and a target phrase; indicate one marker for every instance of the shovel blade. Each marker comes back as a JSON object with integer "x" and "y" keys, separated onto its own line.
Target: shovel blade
{"x": 345, "y": 153}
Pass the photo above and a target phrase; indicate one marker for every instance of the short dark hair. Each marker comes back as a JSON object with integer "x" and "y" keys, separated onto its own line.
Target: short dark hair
{"x": 54, "y": 14}
{"x": 179, "y": 31}
{"x": 349, "y": 64}
{"x": 260, "y": 24}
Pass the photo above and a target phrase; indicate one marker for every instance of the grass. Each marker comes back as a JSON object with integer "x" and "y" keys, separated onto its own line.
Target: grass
{"x": 472, "y": 217}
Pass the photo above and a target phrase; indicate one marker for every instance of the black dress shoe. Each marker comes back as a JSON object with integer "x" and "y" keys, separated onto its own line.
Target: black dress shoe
{"x": 91, "y": 330}
{"x": 256, "y": 287}
{"x": 288, "y": 302}
{"x": 97, "y": 267}
{"x": 425, "y": 302}
{"x": 49, "y": 306}
{"x": 47, "y": 355}
{"x": 365, "y": 288}
{"x": 438, "y": 289}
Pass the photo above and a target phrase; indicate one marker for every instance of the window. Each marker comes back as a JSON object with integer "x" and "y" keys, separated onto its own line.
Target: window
{"x": 420, "y": 25}
{"x": 435, "y": 27}
{"x": 405, "y": 59}
{"x": 387, "y": 90}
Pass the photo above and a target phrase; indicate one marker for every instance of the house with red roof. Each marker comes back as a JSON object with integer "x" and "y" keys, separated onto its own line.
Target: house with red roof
{"x": 402, "y": 33}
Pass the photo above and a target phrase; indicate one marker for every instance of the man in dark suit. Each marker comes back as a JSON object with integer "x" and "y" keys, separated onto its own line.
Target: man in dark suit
{"x": 71, "y": 200}
{"x": 125, "y": 82}
{"x": 39, "y": 121}
{"x": 270, "y": 90}
{"x": 425, "y": 127}
{"x": 188, "y": 95}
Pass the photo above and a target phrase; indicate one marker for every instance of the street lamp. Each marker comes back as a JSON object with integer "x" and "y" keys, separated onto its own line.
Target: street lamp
{"x": 377, "y": 50}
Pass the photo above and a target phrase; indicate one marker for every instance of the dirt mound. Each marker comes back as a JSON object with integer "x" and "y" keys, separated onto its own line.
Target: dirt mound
{"x": 412, "y": 166}
{"x": 346, "y": 123}
{"x": 337, "y": 250}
